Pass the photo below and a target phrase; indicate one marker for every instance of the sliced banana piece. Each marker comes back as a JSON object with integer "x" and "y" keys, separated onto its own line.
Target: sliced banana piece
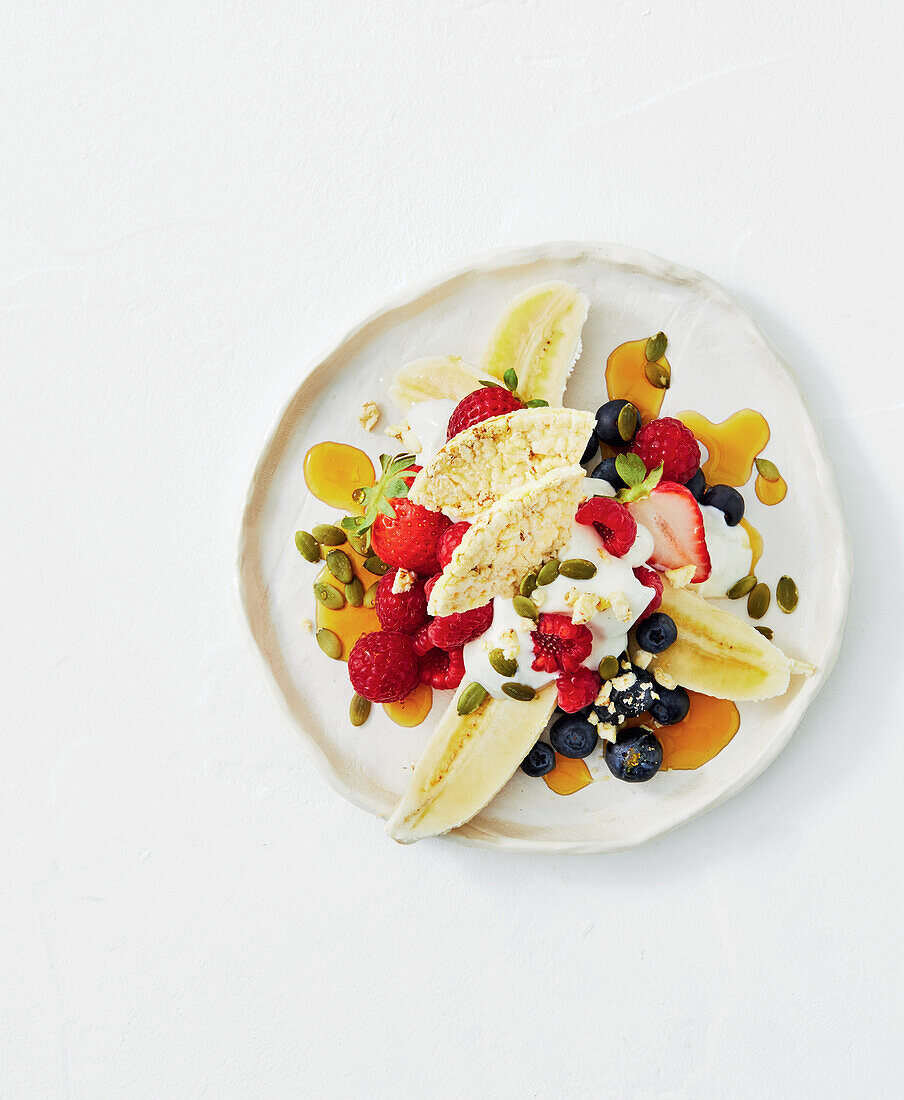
{"x": 466, "y": 762}
{"x": 481, "y": 464}
{"x": 719, "y": 654}
{"x": 509, "y": 540}
{"x": 539, "y": 337}
{"x": 433, "y": 378}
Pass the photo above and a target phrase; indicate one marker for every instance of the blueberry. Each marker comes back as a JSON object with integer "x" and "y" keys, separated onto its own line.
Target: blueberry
{"x": 614, "y": 427}
{"x": 697, "y": 485}
{"x": 540, "y": 760}
{"x": 631, "y": 692}
{"x": 656, "y": 632}
{"x": 591, "y": 450}
{"x": 606, "y": 471}
{"x": 672, "y": 705}
{"x": 572, "y": 735}
{"x": 635, "y": 757}
{"x": 727, "y": 500}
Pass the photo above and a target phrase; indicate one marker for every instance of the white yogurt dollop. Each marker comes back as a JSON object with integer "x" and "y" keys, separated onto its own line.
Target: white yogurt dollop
{"x": 428, "y": 420}
{"x": 729, "y": 553}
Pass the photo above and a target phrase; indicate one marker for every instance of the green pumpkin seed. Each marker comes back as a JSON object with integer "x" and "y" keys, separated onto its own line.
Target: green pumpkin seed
{"x": 370, "y": 596}
{"x": 526, "y": 608}
{"x": 328, "y": 534}
{"x": 655, "y": 347}
{"x": 767, "y": 469}
{"x": 505, "y": 666}
{"x": 510, "y": 378}
{"x": 358, "y": 710}
{"x": 608, "y": 668}
{"x": 354, "y": 593}
{"x": 329, "y": 643}
{"x": 628, "y": 422}
{"x": 338, "y": 563}
{"x": 528, "y": 585}
{"x": 327, "y": 595}
{"x": 577, "y": 569}
{"x": 375, "y": 566}
{"x": 521, "y": 692}
{"x": 360, "y": 542}
{"x": 758, "y": 601}
{"x": 548, "y": 572}
{"x": 766, "y": 631}
{"x": 742, "y": 587}
{"x": 471, "y": 698}
{"x": 658, "y": 375}
{"x": 307, "y": 546}
{"x": 786, "y": 594}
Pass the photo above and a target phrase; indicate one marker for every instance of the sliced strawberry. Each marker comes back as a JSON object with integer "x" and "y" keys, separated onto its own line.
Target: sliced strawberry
{"x": 673, "y": 518}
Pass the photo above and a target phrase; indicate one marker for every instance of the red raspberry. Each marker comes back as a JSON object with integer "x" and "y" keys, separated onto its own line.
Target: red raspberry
{"x": 448, "y": 541}
{"x": 577, "y": 689}
{"x": 421, "y": 639}
{"x": 428, "y": 586}
{"x": 383, "y": 666}
{"x": 452, "y": 631}
{"x": 404, "y": 611}
{"x": 481, "y": 405}
{"x": 409, "y": 539}
{"x": 613, "y": 522}
{"x": 668, "y": 441}
{"x": 649, "y": 578}
{"x": 441, "y": 668}
{"x": 559, "y": 644}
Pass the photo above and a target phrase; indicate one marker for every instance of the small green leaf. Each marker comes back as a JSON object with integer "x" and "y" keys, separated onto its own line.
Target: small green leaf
{"x": 490, "y": 385}
{"x": 655, "y": 347}
{"x": 537, "y": 403}
{"x": 510, "y": 378}
{"x": 630, "y": 469}
{"x": 643, "y": 488}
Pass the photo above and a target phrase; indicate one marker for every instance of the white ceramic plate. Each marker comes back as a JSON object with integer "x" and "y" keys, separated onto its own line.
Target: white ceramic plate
{"x": 721, "y": 362}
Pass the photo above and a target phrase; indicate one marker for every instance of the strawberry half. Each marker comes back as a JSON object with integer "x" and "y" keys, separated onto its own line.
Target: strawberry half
{"x": 675, "y": 521}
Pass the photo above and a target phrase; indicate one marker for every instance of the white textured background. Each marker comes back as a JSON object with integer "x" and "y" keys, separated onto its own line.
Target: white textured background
{"x": 194, "y": 200}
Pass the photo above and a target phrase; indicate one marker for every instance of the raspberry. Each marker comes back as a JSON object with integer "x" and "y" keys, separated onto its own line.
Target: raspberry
{"x": 404, "y": 611}
{"x": 577, "y": 689}
{"x": 421, "y": 640}
{"x": 448, "y": 541}
{"x": 481, "y": 405}
{"x": 613, "y": 522}
{"x": 452, "y": 631}
{"x": 649, "y": 578}
{"x": 559, "y": 644}
{"x": 382, "y": 666}
{"x": 428, "y": 586}
{"x": 409, "y": 538}
{"x": 668, "y": 441}
{"x": 441, "y": 668}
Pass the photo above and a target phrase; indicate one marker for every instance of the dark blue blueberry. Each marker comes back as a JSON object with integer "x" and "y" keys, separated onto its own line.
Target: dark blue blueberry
{"x": 631, "y": 692}
{"x": 635, "y": 757}
{"x": 727, "y": 500}
{"x": 591, "y": 450}
{"x": 540, "y": 760}
{"x": 607, "y": 418}
{"x": 671, "y": 706}
{"x": 697, "y": 485}
{"x": 656, "y": 632}
{"x": 606, "y": 471}
{"x": 573, "y": 736}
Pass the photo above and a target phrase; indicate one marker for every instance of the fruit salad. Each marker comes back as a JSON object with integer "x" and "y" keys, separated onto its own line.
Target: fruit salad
{"x": 563, "y": 583}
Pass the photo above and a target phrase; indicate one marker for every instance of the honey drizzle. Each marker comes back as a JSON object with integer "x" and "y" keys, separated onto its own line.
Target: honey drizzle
{"x": 332, "y": 471}
{"x": 771, "y": 492}
{"x": 626, "y": 378}
{"x": 708, "y": 727}
{"x": 348, "y": 623}
{"x": 756, "y": 543}
{"x": 413, "y": 709}
{"x": 568, "y": 776}
{"x": 732, "y": 444}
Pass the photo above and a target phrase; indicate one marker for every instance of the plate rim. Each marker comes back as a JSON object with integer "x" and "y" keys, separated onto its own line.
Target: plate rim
{"x": 643, "y": 263}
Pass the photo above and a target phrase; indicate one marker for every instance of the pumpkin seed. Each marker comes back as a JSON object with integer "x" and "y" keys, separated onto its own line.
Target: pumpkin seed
{"x": 375, "y": 566}
{"x": 327, "y": 595}
{"x": 471, "y": 698}
{"x": 510, "y": 378}
{"x": 577, "y": 569}
{"x": 766, "y": 631}
{"x": 658, "y": 375}
{"x": 370, "y": 596}
{"x": 655, "y": 347}
{"x": 628, "y": 422}
{"x": 328, "y": 534}
{"x": 767, "y": 469}
{"x": 505, "y": 666}
{"x": 528, "y": 585}
{"x": 360, "y": 542}
{"x": 742, "y": 587}
{"x": 548, "y": 572}
{"x": 786, "y": 594}
{"x": 329, "y": 643}
{"x": 338, "y": 563}
{"x": 358, "y": 710}
{"x": 526, "y": 608}
{"x": 758, "y": 601}
{"x": 307, "y": 546}
{"x": 354, "y": 593}
{"x": 521, "y": 692}
{"x": 608, "y": 668}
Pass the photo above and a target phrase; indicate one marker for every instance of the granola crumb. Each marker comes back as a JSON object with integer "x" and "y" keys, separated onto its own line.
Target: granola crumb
{"x": 369, "y": 415}
{"x": 642, "y": 659}
{"x": 664, "y": 680}
{"x": 681, "y": 578}
{"x": 403, "y": 581}
{"x": 307, "y": 626}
